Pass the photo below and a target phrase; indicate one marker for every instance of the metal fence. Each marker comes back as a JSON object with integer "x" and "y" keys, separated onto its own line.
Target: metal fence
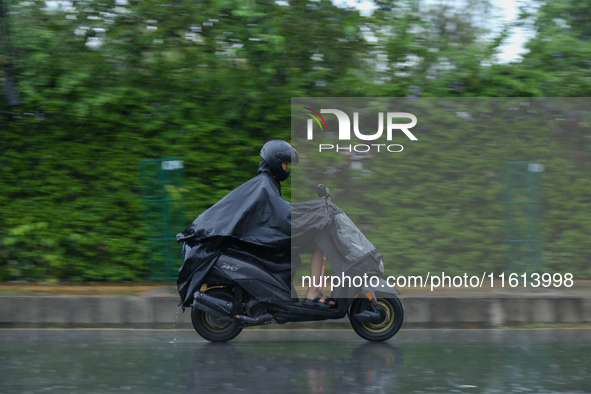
{"x": 523, "y": 213}
{"x": 162, "y": 182}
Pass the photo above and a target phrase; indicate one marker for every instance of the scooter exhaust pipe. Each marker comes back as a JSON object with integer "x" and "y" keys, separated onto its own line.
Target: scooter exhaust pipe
{"x": 253, "y": 320}
{"x": 223, "y": 308}
{"x": 213, "y": 305}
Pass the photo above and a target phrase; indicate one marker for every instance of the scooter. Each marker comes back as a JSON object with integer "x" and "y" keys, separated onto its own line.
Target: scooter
{"x": 240, "y": 292}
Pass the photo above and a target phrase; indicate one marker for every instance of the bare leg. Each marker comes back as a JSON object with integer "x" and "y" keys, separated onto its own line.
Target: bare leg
{"x": 315, "y": 271}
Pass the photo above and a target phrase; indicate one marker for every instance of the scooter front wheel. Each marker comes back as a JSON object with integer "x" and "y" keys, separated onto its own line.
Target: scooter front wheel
{"x": 393, "y": 315}
{"x": 214, "y": 328}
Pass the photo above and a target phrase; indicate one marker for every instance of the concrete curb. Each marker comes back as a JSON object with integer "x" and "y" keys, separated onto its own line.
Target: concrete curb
{"x": 162, "y": 312}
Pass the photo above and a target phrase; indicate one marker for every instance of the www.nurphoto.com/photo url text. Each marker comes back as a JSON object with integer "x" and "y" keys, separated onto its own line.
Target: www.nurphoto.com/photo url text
{"x": 445, "y": 281}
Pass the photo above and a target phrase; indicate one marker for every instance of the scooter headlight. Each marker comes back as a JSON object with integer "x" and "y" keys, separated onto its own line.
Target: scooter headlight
{"x": 381, "y": 267}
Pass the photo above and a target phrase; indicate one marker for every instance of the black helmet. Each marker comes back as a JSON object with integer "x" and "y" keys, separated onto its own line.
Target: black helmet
{"x": 275, "y": 152}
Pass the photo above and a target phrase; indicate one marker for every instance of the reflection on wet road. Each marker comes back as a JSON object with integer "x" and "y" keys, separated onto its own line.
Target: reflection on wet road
{"x": 266, "y": 361}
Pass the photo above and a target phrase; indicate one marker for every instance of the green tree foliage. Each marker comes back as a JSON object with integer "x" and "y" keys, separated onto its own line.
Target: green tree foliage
{"x": 106, "y": 84}
{"x": 438, "y": 205}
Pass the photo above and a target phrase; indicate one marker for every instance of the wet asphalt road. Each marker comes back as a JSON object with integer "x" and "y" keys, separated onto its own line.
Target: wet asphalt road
{"x": 421, "y": 361}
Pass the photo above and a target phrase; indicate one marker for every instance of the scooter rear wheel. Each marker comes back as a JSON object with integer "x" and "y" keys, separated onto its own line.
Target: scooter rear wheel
{"x": 214, "y": 328}
{"x": 387, "y": 328}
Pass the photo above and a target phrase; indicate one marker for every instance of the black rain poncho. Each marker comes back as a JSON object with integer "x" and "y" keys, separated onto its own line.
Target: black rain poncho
{"x": 326, "y": 225}
{"x": 254, "y": 215}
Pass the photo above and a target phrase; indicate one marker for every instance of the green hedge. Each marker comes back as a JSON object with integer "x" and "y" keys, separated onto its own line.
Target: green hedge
{"x": 213, "y": 82}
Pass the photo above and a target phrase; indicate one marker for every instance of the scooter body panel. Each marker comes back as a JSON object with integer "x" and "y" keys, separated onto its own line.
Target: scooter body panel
{"x": 296, "y": 312}
{"x": 269, "y": 289}
{"x": 255, "y": 279}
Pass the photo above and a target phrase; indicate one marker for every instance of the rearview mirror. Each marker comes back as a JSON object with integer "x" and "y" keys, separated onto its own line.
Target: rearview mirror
{"x": 322, "y": 191}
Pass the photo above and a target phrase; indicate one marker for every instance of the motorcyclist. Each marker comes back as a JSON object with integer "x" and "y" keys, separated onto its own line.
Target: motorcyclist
{"x": 279, "y": 155}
